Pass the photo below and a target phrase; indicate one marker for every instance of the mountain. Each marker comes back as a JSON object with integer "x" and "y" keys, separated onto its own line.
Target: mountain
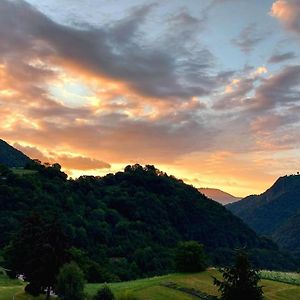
{"x": 130, "y": 222}
{"x": 287, "y": 235}
{"x": 12, "y": 157}
{"x": 275, "y": 212}
{"x": 218, "y": 195}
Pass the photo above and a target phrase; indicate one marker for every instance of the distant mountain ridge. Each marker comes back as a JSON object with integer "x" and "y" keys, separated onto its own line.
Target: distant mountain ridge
{"x": 219, "y": 195}
{"x": 275, "y": 213}
{"x": 12, "y": 157}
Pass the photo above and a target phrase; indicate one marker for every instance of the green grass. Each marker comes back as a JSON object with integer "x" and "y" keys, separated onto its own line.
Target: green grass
{"x": 150, "y": 288}
{"x": 8, "y": 287}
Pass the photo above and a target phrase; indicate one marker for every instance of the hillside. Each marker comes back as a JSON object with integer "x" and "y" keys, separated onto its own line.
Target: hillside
{"x": 129, "y": 223}
{"x": 272, "y": 213}
{"x": 219, "y": 195}
{"x": 12, "y": 157}
{"x": 287, "y": 235}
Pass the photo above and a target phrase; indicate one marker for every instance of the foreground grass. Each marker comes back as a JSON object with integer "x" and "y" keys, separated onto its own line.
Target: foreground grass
{"x": 8, "y": 287}
{"x": 151, "y": 289}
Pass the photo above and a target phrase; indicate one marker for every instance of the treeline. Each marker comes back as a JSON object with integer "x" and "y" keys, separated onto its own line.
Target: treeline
{"x": 126, "y": 225}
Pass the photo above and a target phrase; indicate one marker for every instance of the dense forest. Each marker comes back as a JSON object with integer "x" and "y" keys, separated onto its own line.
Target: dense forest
{"x": 127, "y": 225}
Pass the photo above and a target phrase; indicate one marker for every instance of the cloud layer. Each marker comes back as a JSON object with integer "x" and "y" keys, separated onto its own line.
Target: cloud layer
{"x": 91, "y": 97}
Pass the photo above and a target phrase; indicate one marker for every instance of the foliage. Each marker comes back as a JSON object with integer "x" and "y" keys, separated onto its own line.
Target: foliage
{"x": 37, "y": 252}
{"x": 124, "y": 225}
{"x": 239, "y": 281}
{"x": 104, "y": 294}
{"x": 190, "y": 257}
{"x": 70, "y": 282}
{"x": 275, "y": 212}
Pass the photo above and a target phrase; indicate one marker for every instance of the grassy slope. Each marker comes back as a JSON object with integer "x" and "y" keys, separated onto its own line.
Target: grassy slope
{"x": 150, "y": 289}
{"x": 147, "y": 289}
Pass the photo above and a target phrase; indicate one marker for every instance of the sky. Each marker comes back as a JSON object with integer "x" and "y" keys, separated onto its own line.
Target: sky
{"x": 208, "y": 91}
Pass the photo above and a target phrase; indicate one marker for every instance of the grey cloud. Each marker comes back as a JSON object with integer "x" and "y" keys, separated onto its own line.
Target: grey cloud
{"x": 237, "y": 96}
{"x": 281, "y": 89}
{"x": 154, "y": 71}
{"x": 248, "y": 38}
{"x": 278, "y": 58}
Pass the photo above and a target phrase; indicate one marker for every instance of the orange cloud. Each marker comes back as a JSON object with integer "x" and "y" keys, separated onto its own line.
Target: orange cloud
{"x": 288, "y": 12}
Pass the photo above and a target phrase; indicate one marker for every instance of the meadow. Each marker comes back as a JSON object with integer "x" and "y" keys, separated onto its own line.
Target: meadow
{"x": 153, "y": 289}
{"x": 292, "y": 278}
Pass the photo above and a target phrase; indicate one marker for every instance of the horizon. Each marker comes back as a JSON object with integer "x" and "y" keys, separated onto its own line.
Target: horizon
{"x": 206, "y": 95}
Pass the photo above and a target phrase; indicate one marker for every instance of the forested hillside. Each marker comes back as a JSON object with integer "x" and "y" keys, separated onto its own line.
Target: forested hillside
{"x": 128, "y": 223}
{"x": 11, "y": 157}
{"x": 275, "y": 212}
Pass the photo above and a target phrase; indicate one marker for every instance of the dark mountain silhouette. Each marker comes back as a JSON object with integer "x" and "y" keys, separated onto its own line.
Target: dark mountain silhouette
{"x": 130, "y": 222}
{"x": 275, "y": 212}
{"x": 219, "y": 195}
{"x": 12, "y": 157}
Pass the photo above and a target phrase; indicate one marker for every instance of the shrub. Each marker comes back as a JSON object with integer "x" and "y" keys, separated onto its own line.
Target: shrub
{"x": 70, "y": 282}
{"x": 104, "y": 294}
{"x": 190, "y": 257}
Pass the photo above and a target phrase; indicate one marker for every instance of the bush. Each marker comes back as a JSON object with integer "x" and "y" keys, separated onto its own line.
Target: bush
{"x": 104, "y": 294}
{"x": 70, "y": 282}
{"x": 190, "y": 257}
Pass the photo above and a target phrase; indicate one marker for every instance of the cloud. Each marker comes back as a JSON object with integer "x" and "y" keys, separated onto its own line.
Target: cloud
{"x": 146, "y": 99}
{"x": 248, "y": 38}
{"x": 281, "y": 89}
{"x": 114, "y": 51}
{"x": 278, "y": 58}
{"x": 237, "y": 91}
{"x": 288, "y": 12}
{"x": 67, "y": 161}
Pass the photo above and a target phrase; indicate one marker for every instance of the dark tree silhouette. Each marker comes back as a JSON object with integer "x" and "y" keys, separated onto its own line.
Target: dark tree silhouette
{"x": 37, "y": 252}
{"x": 240, "y": 281}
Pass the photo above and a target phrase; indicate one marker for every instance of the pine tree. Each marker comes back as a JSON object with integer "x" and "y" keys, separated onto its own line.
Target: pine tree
{"x": 240, "y": 281}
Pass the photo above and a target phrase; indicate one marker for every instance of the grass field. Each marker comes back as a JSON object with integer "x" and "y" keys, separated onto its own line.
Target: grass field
{"x": 8, "y": 287}
{"x": 151, "y": 289}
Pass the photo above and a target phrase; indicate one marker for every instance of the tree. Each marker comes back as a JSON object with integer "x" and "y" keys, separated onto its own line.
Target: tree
{"x": 70, "y": 282}
{"x": 104, "y": 294}
{"x": 190, "y": 257}
{"x": 239, "y": 281}
{"x": 37, "y": 252}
